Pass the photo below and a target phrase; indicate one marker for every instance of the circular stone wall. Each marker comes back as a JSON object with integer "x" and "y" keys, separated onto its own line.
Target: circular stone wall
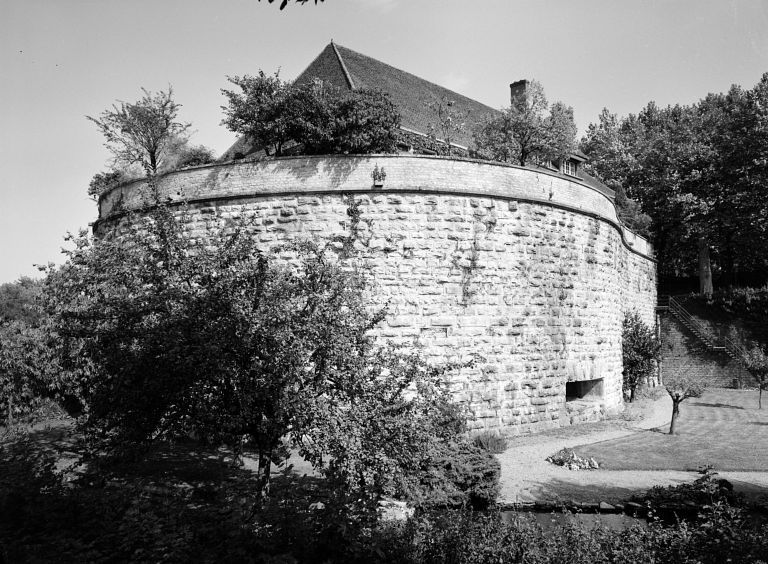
{"x": 530, "y": 270}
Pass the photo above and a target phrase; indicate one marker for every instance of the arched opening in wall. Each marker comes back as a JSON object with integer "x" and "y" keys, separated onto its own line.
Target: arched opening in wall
{"x": 584, "y": 400}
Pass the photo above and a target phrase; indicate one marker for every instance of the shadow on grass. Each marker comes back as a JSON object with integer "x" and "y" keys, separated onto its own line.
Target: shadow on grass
{"x": 702, "y": 404}
{"x": 565, "y": 490}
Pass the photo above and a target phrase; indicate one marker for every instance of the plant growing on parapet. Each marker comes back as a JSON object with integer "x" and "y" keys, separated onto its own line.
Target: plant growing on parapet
{"x": 313, "y": 118}
{"x": 530, "y": 131}
{"x": 755, "y": 361}
{"x": 103, "y": 181}
{"x": 142, "y": 133}
{"x": 640, "y": 353}
{"x": 680, "y": 387}
{"x": 448, "y": 122}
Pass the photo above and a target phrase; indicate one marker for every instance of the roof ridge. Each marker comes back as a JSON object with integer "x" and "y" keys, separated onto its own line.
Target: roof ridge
{"x": 343, "y": 66}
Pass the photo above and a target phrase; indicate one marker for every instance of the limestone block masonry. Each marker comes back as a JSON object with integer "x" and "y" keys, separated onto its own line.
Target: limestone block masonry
{"x": 530, "y": 270}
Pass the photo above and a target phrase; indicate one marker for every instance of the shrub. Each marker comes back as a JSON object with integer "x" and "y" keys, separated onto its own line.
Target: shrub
{"x": 640, "y": 352}
{"x": 194, "y": 156}
{"x": 103, "y": 181}
{"x": 455, "y": 474}
{"x": 490, "y": 441}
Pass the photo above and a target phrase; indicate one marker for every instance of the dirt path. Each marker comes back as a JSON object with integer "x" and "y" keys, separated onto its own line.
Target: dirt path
{"x": 526, "y": 476}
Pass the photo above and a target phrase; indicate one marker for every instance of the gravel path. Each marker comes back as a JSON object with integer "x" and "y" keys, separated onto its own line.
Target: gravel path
{"x": 526, "y": 476}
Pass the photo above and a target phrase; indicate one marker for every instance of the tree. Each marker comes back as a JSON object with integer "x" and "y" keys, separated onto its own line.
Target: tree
{"x": 448, "y": 123}
{"x": 680, "y": 388}
{"x": 529, "y": 131}
{"x": 640, "y": 351}
{"x": 316, "y": 117}
{"x": 142, "y": 133}
{"x": 697, "y": 171}
{"x": 232, "y": 344}
{"x": 18, "y": 300}
{"x": 756, "y": 362}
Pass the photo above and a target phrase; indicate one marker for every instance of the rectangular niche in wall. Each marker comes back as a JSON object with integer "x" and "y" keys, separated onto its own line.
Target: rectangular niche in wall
{"x": 585, "y": 390}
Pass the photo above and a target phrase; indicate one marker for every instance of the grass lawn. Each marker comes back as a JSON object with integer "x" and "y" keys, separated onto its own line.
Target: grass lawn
{"x": 723, "y": 428}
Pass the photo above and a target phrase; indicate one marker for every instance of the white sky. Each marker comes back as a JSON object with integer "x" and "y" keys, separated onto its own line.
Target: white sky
{"x": 63, "y": 59}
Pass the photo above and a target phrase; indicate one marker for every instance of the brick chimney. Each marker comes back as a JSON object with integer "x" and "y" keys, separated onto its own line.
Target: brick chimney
{"x": 517, "y": 90}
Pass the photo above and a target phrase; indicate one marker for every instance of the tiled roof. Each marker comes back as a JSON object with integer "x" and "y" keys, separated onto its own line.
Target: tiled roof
{"x": 411, "y": 94}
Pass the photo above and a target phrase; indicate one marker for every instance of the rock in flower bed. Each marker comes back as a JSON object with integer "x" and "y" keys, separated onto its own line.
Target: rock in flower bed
{"x": 568, "y": 458}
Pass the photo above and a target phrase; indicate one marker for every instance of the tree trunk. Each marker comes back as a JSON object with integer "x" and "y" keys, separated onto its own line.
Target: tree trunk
{"x": 675, "y": 413}
{"x": 705, "y": 268}
{"x": 760, "y": 396}
{"x": 10, "y": 410}
{"x": 632, "y": 393}
{"x": 265, "y": 469}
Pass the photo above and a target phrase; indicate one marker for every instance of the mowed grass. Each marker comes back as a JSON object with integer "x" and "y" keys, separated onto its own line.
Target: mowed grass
{"x": 723, "y": 428}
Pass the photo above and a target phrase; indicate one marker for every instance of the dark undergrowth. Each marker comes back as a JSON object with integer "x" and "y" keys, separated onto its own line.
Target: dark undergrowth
{"x": 183, "y": 505}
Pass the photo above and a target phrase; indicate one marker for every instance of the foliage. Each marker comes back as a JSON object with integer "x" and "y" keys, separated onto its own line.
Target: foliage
{"x": 680, "y": 387}
{"x": 238, "y": 347}
{"x": 704, "y": 491}
{"x": 755, "y": 360}
{"x": 697, "y": 171}
{"x": 142, "y": 132}
{"x": 447, "y": 123}
{"x": 630, "y": 214}
{"x": 530, "y": 131}
{"x": 725, "y": 534}
{"x": 194, "y": 156}
{"x": 17, "y": 300}
{"x": 490, "y": 441}
{"x": 454, "y": 474}
{"x": 171, "y": 513}
{"x": 103, "y": 181}
{"x": 640, "y": 353}
{"x": 321, "y": 119}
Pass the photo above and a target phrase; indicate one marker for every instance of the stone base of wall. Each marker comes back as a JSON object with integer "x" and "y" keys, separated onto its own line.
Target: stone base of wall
{"x": 580, "y": 411}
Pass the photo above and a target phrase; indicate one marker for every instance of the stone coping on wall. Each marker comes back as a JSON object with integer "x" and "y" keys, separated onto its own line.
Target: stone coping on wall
{"x": 334, "y": 174}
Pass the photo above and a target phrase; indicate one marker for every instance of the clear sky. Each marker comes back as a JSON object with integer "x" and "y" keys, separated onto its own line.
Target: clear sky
{"x": 61, "y": 60}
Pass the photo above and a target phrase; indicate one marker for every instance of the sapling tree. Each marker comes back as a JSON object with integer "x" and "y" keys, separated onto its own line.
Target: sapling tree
{"x": 142, "y": 133}
{"x": 640, "y": 353}
{"x": 756, "y": 362}
{"x": 447, "y": 123}
{"x": 681, "y": 387}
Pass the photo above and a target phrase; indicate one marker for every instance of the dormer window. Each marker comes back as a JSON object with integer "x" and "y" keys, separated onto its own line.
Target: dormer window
{"x": 570, "y": 167}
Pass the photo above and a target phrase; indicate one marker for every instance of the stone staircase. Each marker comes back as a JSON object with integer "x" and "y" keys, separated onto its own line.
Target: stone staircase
{"x": 710, "y": 342}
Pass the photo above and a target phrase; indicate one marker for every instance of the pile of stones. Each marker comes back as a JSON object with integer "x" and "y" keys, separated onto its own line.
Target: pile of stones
{"x": 568, "y": 458}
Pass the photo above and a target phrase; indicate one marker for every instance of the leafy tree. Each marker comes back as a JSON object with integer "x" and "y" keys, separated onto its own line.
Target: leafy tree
{"x": 142, "y": 132}
{"x": 321, "y": 119}
{"x": 530, "y": 131}
{"x": 756, "y": 362}
{"x": 640, "y": 350}
{"x": 17, "y": 300}
{"x": 697, "y": 171}
{"x": 680, "y": 387}
{"x": 235, "y": 346}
